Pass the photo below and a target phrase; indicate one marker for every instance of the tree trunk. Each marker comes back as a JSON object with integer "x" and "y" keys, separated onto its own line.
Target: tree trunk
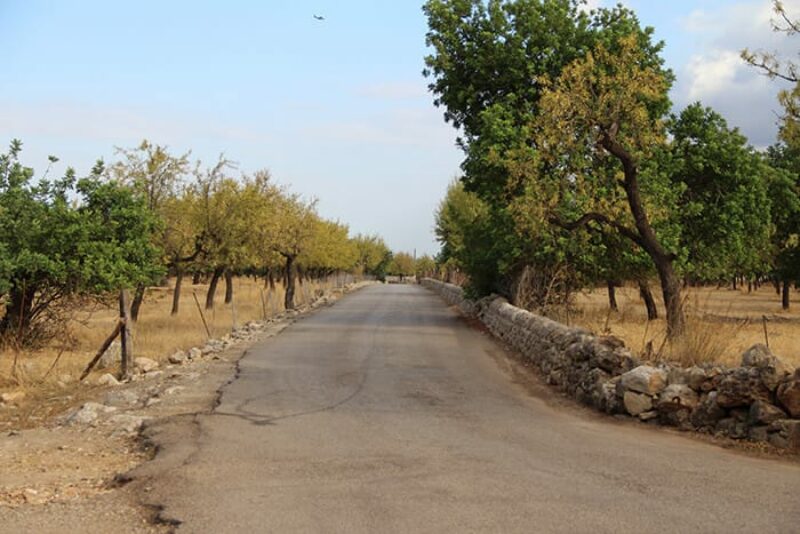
{"x": 212, "y": 287}
{"x": 649, "y": 301}
{"x": 17, "y": 320}
{"x": 288, "y": 301}
{"x": 785, "y": 296}
{"x": 136, "y": 304}
{"x": 196, "y": 278}
{"x": 671, "y": 289}
{"x": 612, "y": 295}
{"x": 734, "y": 283}
{"x": 176, "y": 295}
{"x": 777, "y": 283}
{"x": 646, "y": 237}
{"x": 228, "y": 286}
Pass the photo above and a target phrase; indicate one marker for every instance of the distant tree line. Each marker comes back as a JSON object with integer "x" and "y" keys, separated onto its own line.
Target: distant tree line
{"x": 148, "y": 216}
{"x": 578, "y": 173}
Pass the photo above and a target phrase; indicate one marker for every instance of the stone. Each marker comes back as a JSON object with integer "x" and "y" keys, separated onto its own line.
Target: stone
{"x": 764, "y": 413}
{"x": 111, "y": 356}
{"x": 126, "y": 422}
{"x": 740, "y": 387}
{"x": 173, "y": 390}
{"x": 195, "y": 353}
{"x": 124, "y": 398}
{"x": 695, "y": 377}
{"x": 732, "y": 428}
{"x": 758, "y": 433}
{"x": 757, "y": 356}
{"x": 107, "y": 380}
{"x": 145, "y": 365}
{"x": 89, "y": 413}
{"x": 12, "y": 397}
{"x": 644, "y": 379}
{"x": 788, "y": 394}
{"x": 788, "y": 430}
{"x": 648, "y": 416}
{"x": 637, "y": 403}
{"x": 707, "y": 413}
{"x": 177, "y": 358}
{"x": 677, "y": 397}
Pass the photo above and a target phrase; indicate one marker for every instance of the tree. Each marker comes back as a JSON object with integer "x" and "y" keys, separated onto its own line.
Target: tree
{"x": 402, "y": 265}
{"x": 609, "y": 104}
{"x": 66, "y": 239}
{"x": 292, "y": 234}
{"x": 425, "y": 267}
{"x": 155, "y": 175}
{"x": 723, "y": 208}
{"x": 373, "y": 256}
{"x": 784, "y": 192}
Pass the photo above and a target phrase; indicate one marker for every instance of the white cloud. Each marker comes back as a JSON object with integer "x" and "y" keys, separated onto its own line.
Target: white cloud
{"x": 716, "y": 75}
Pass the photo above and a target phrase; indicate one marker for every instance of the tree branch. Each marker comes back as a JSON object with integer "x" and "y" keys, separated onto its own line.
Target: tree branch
{"x": 601, "y": 219}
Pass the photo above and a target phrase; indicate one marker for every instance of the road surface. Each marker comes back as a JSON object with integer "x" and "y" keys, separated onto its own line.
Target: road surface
{"x": 387, "y": 413}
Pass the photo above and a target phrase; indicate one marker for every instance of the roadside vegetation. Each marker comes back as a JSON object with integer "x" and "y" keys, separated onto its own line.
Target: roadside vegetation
{"x": 181, "y": 238}
{"x": 579, "y": 176}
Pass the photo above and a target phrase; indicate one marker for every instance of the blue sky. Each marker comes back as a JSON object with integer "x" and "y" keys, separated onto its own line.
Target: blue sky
{"x": 335, "y": 109}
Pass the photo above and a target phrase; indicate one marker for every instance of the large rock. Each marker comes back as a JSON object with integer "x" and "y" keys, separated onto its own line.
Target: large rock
{"x": 111, "y": 356}
{"x": 637, "y": 403}
{"x": 707, "y": 413}
{"x": 107, "y": 380}
{"x": 770, "y": 368}
{"x": 696, "y": 377}
{"x": 177, "y": 358}
{"x": 763, "y": 413}
{"x": 758, "y": 355}
{"x": 145, "y": 365}
{"x": 89, "y": 413}
{"x": 677, "y": 397}
{"x": 644, "y": 379}
{"x": 788, "y": 394}
{"x": 740, "y": 387}
{"x": 785, "y": 433}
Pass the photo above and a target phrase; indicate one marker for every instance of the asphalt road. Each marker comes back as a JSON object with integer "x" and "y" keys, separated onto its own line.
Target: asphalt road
{"x": 387, "y": 413}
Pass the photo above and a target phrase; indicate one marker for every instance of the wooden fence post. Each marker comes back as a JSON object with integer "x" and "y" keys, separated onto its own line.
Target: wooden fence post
{"x": 125, "y": 338}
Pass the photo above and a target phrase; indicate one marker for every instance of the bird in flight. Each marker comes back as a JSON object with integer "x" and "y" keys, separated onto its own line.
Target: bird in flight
{"x": 318, "y": 17}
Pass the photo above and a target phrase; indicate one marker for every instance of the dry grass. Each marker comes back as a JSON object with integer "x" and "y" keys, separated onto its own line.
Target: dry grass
{"x": 721, "y": 324}
{"x": 156, "y": 334}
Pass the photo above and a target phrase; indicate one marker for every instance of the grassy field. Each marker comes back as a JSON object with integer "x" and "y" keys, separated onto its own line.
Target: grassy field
{"x": 722, "y": 323}
{"x": 156, "y": 334}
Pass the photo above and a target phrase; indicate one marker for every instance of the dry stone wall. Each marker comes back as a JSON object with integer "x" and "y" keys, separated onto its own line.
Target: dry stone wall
{"x": 759, "y": 401}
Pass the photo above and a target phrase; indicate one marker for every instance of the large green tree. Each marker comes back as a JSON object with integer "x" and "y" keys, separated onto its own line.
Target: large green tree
{"x": 63, "y": 239}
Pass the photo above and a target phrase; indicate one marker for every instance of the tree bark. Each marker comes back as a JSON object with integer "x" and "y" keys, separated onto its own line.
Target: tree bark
{"x": 288, "y": 301}
{"x": 645, "y": 237}
{"x": 212, "y": 287}
{"x": 17, "y": 320}
{"x": 785, "y": 296}
{"x": 612, "y": 295}
{"x": 228, "y": 286}
{"x": 196, "y": 278}
{"x": 649, "y": 301}
{"x": 176, "y": 294}
{"x": 136, "y": 304}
